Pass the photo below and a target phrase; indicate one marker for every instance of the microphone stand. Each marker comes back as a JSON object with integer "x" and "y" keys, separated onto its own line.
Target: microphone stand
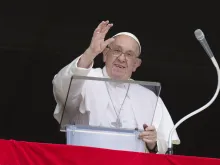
{"x": 170, "y": 145}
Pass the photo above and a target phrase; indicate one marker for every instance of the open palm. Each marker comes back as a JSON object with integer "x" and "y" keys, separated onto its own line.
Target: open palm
{"x": 98, "y": 42}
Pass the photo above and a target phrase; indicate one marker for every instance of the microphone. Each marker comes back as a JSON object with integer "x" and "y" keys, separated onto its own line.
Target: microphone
{"x": 201, "y": 38}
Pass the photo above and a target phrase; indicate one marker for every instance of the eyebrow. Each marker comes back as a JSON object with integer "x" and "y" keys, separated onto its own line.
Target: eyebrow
{"x": 118, "y": 46}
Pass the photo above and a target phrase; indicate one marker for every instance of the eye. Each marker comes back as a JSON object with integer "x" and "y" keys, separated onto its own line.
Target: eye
{"x": 129, "y": 54}
{"x": 117, "y": 50}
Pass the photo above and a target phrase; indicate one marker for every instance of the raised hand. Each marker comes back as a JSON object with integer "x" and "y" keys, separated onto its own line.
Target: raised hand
{"x": 97, "y": 45}
{"x": 98, "y": 42}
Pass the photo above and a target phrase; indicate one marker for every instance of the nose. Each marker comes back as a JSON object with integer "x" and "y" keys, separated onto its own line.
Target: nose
{"x": 122, "y": 58}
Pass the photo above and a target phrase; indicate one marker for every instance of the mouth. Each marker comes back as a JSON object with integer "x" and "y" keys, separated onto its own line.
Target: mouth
{"x": 120, "y": 66}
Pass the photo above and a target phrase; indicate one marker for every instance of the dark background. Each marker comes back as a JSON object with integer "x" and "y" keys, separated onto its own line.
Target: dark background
{"x": 38, "y": 38}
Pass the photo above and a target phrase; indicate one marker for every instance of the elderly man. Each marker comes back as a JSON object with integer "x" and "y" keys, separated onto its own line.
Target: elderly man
{"x": 121, "y": 58}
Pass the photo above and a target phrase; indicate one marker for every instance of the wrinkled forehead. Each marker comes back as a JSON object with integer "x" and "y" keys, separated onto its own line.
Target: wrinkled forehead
{"x": 126, "y": 43}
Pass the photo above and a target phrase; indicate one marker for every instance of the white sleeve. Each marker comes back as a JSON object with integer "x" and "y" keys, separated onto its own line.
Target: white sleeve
{"x": 61, "y": 84}
{"x": 164, "y": 124}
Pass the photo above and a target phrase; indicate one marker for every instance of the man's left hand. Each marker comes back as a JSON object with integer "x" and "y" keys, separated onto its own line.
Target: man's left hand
{"x": 149, "y": 136}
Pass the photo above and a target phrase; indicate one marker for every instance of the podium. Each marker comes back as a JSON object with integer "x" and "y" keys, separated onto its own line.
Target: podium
{"x": 109, "y": 138}
{"x": 88, "y": 101}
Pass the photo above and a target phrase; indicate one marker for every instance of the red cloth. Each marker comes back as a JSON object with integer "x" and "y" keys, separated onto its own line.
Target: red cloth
{"x": 31, "y": 153}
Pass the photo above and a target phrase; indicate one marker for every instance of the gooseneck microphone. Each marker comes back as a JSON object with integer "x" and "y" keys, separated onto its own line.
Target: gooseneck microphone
{"x": 201, "y": 38}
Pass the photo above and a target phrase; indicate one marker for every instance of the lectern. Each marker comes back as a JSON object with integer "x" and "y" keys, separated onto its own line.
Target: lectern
{"x": 83, "y": 122}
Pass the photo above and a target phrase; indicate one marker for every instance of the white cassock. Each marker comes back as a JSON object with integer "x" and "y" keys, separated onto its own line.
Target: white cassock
{"x": 98, "y": 103}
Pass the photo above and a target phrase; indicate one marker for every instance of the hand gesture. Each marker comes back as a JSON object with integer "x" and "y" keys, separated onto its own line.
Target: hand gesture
{"x": 98, "y": 42}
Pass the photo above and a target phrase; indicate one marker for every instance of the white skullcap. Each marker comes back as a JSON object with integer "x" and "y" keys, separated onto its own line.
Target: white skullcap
{"x": 130, "y": 35}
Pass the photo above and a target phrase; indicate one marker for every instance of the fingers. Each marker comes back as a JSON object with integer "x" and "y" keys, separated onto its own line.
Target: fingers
{"x": 106, "y": 28}
{"x": 147, "y": 134}
{"x": 149, "y": 138}
{"x": 150, "y": 128}
{"x": 145, "y": 126}
{"x": 103, "y": 28}
{"x": 98, "y": 29}
{"x": 146, "y": 140}
{"x": 149, "y": 131}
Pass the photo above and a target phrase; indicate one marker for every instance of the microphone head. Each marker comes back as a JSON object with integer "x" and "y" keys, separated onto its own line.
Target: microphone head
{"x": 199, "y": 34}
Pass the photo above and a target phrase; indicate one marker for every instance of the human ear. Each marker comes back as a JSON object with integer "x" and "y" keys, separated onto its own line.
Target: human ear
{"x": 137, "y": 63}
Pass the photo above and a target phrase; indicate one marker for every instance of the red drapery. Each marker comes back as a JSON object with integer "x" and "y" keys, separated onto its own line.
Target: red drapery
{"x": 30, "y": 153}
